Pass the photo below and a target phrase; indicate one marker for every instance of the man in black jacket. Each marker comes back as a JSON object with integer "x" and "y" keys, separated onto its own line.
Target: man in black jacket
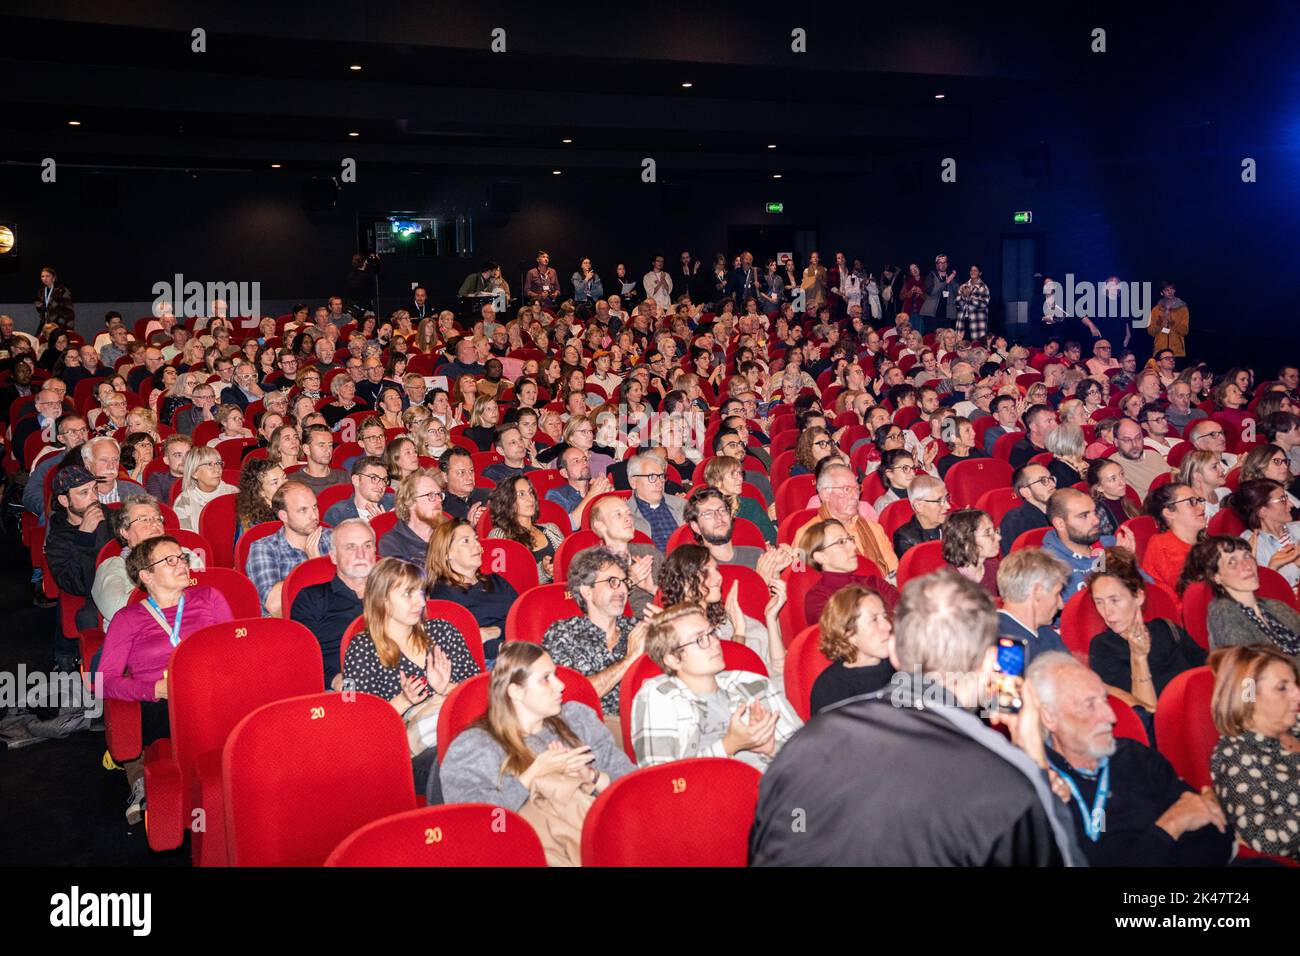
{"x": 1128, "y": 806}
{"x": 1034, "y": 484}
{"x": 910, "y": 776}
{"x": 930, "y": 506}
{"x": 78, "y": 528}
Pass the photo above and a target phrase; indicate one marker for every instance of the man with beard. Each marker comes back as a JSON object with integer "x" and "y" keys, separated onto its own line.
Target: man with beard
{"x": 1141, "y": 464}
{"x": 77, "y": 530}
{"x": 709, "y": 518}
{"x": 1169, "y": 322}
{"x": 575, "y": 466}
{"x": 1075, "y": 537}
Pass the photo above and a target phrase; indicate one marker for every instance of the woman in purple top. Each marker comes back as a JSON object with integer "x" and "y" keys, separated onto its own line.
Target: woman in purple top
{"x": 141, "y": 636}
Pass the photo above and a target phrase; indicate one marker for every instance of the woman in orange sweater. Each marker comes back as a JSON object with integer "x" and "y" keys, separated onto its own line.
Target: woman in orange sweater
{"x": 1180, "y": 515}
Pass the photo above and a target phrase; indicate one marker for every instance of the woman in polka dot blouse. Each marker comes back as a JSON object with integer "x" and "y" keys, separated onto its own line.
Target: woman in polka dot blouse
{"x": 1256, "y": 763}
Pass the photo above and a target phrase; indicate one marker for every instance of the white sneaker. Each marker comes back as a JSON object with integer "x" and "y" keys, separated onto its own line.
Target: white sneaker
{"x": 135, "y": 809}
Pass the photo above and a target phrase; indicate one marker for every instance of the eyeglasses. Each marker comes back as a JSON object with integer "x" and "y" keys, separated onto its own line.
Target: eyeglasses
{"x": 151, "y": 518}
{"x": 1194, "y": 499}
{"x": 1045, "y": 479}
{"x": 210, "y": 464}
{"x": 1277, "y": 501}
{"x": 435, "y": 495}
{"x": 613, "y": 581}
{"x": 852, "y": 489}
{"x": 171, "y": 560}
{"x": 946, "y": 499}
{"x": 827, "y": 545}
{"x": 1218, "y": 434}
{"x": 654, "y": 476}
{"x": 378, "y": 479}
{"x": 1277, "y": 461}
{"x": 703, "y": 640}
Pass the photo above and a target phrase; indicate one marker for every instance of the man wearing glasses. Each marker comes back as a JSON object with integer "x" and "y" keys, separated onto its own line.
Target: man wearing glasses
{"x": 840, "y": 496}
{"x": 419, "y": 507}
{"x": 370, "y": 495}
{"x": 710, "y": 521}
{"x": 1155, "y": 423}
{"x": 1141, "y": 464}
{"x": 1103, "y": 358}
{"x": 1208, "y": 435}
{"x": 696, "y": 708}
{"x": 930, "y": 506}
{"x": 328, "y": 609}
{"x": 1003, "y": 408}
{"x": 733, "y": 443}
{"x": 70, "y": 433}
{"x": 653, "y": 513}
{"x": 602, "y": 643}
{"x": 1034, "y": 485}
{"x": 139, "y": 520}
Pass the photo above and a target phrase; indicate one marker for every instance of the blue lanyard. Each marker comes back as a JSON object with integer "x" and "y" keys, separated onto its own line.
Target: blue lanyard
{"x": 180, "y": 612}
{"x": 1094, "y": 819}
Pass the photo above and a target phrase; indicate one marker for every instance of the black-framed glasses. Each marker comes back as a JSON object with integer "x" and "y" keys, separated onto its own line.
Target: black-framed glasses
{"x": 946, "y": 499}
{"x": 1049, "y": 479}
{"x": 1194, "y": 499}
{"x": 826, "y": 545}
{"x": 153, "y": 518}
{"x": 823, "y": 443}
{"x": 652, "y": 477}
{"x": 613, "y": 581}
{"x": 171, "y": 560}
{"x": 435, "y": 495}
{"x": 378, "y": 479}
{"x": 1218, "y": 434}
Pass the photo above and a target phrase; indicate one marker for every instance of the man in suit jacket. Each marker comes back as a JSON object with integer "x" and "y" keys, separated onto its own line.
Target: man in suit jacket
{"x": 940, "y": 295}
{"x": 653, "y": 512}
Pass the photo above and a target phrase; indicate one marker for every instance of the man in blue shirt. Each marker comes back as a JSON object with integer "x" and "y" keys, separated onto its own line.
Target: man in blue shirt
{"x": 575, "y": 466}
{"x": 653, "y": 512}
{"x": 1074, "y": 537}
{"x": 369, "y": 495}
{"x": 301, "y": 537}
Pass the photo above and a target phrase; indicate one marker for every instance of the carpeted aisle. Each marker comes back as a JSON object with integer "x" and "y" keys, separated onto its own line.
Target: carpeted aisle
{"x": 60, "y": 806}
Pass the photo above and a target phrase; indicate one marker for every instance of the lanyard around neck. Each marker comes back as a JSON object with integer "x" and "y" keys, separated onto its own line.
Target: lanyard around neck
{"x": 1094, "y": 819}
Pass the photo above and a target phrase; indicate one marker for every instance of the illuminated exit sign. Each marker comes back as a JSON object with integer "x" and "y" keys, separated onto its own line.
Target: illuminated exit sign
{"x": 1022, "y": 218}
{"x": 776, "y": 207}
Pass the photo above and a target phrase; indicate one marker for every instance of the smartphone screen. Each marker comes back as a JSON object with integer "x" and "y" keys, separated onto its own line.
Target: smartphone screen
{"x": 1009, "y": 675}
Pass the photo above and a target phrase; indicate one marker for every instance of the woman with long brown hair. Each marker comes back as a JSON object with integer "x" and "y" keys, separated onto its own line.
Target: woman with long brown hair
{"x": 407, "y": 659}
{"x": 1109, "y": 490}
{"x": 528, "y": 732}
{"x": 514, "y": 508}
{"x": 259, "y": 480}
{"x": 453, "y": 564}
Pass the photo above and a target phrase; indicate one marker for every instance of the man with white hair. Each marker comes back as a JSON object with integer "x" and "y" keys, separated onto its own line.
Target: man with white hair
{"x": 101, "y": 457}
{"x": 328, "y": 609}
{"x": 930, "y": 503}
{"x": 840, "y": 493}
{"x": 1128, "y": 806}
{"x": 886, "y": 779}
{"x": 653, "y": 512}
{"x": 1208, "y": 435}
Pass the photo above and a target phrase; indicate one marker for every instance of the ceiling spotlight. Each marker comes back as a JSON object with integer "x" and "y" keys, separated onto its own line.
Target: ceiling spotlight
{"x": 354, "y": 134}
{"x": 355, "y": 68}
{"x": 555, "y": 172}
{"x": 74, "y": 122}
{"x": 275, "y": 165}
{"x": 938, "y": 96}
{"x": 566, "y": 141}
{"x": 771, "y": 145}
{"x": 776, "y": 175}
{"x": 687, "y": 86}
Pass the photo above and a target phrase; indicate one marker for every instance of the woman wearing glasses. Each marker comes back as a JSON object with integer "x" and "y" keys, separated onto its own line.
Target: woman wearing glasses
{"x": 1273, "y": 537}
{"x": 856, "y": 636}
{"x": 1270, "y": 462}
{"x": 1180, "y": 517}
{"x": 200, "y": 483}
{"x": 897, "y": 469}
{"x": 139, "y": 642}
{"x": 829, "y": 548}
{"x": 454, "y": 572}
{"x": 1204, "y": 473}
{"x": 973, "y": 545}
{"x": 814, "y": 445}
{"x": 513, "y": 507}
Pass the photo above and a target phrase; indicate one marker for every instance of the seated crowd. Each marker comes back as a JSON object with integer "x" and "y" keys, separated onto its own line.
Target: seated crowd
{"x": 745, "y": 532}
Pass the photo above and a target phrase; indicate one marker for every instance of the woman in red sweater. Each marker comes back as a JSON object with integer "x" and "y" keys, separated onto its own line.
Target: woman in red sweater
{"x": 1180, "y": 515}
{"x": 140, "y": 639}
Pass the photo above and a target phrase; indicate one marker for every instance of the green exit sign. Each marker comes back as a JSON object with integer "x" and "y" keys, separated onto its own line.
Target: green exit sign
{"x": 776, "y": 207}
{"x": 1023, "y": 217}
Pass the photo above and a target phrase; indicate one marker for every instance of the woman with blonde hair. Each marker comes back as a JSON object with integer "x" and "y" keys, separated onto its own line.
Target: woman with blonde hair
{"x": 856, "y": 636}
{"x": 1204, "y": 473}
{"x": 728, "y": 476}
{"x": 407, "y": 659}
{"x": 529, "y": 733}
{"x": 1256, "y": 763}
{"x": 200, "y": 483}
{"x": 483, "y": 421}
{"x": 143, "y": 420}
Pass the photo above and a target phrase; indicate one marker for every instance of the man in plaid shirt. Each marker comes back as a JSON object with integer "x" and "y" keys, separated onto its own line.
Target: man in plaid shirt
{"x": 270, "y": 559}
{"x": 697, "y": 709}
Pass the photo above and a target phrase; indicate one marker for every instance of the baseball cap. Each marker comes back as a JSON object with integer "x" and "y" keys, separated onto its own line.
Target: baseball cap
{"x": 73, "y": 476}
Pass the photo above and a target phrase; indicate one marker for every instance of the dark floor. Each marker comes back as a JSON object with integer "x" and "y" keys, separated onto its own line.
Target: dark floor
{"x": 60, "y": 806}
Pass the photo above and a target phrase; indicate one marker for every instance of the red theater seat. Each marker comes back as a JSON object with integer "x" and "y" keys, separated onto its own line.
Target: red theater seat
{"x": 458, "y": 834}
